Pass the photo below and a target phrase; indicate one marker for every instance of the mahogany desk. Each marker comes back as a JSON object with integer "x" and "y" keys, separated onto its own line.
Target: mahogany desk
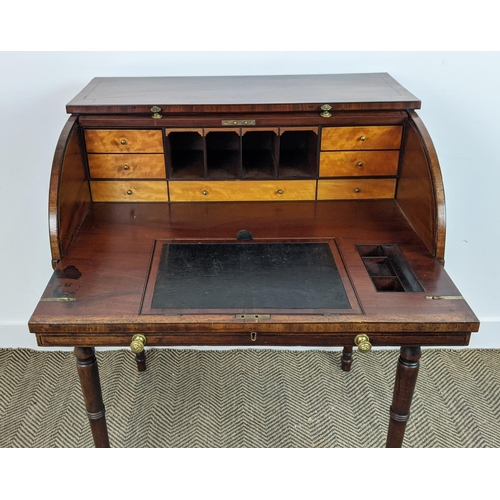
{"x": 248, "y": 211}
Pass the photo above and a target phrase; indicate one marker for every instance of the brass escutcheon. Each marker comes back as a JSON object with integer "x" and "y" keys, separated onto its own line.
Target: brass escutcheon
{"x": 363, "y": 342}
{"x": 253, "y": 336}
{"x": 138, "y": 343}
{"x": 325, "y": 114}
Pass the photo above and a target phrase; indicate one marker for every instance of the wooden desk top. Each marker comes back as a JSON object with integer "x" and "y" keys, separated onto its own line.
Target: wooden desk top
{"x": 369, "y": 91}
{"x": 105, "y": 271}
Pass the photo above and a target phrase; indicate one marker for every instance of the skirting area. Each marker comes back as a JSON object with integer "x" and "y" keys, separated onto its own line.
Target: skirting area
{"x": 250, "y": 398}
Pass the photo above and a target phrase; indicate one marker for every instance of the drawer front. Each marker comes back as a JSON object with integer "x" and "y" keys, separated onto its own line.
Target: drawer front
{"x": 129, "y": 191}
{"x": 354, "y": 138}
{"x": 242, "y": 190}
{"x": 126, "y": 141}
{"x": 358, "y": 163}
{"x": 118, "y": 166}
{"x": 356, "y": 189}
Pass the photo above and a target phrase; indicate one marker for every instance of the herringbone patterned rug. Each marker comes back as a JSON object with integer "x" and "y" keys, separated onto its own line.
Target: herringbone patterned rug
{"x": 250, "y": 398}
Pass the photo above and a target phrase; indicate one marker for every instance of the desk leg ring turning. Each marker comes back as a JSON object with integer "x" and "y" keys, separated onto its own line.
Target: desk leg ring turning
{"x": 404, "y": 386}
{"x": 86, "y": 364}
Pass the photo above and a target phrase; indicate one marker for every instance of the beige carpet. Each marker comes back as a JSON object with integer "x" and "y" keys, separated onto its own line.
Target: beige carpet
{"x": 250, "y": 398}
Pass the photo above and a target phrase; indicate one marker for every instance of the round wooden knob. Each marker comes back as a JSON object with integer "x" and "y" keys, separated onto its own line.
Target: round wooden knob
{"x": 138, "y": 343}
{"x": 363, "y": 343}
{"x": 123, "y": 141}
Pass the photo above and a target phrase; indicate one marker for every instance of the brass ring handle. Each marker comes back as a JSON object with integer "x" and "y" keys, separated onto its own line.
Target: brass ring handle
{"x": 138, "y": 343}
{"x": 363, "y": 343}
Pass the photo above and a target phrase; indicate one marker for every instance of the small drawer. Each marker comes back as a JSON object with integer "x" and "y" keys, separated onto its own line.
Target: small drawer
{"x": 129, "y": 141}
{"x": 354, "y": 138}
{"x": 356, "y": 189}
{"x": 242, "y": 190}
{"x": 129, "y": 191}
{"x": 127, "y": 166}
{"x": 358, "y": 163}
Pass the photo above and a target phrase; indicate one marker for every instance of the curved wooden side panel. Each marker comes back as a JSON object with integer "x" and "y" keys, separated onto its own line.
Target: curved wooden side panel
{"x": 420, "y": 191}
{"x": 69, "y": 197}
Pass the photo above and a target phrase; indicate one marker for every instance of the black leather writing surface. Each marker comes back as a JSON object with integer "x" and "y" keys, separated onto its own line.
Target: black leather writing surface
{"x": 243, "y": 276}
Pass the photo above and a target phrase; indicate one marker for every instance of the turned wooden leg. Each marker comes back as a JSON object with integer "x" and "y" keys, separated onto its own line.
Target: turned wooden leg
{"x": 141, "y": 361}
{"x": 404, "y": 385}
{"x": 346, "y": 359}
{"x": 86, "y": 364}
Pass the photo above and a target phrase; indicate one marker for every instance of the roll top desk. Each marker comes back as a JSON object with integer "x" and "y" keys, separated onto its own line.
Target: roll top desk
{"x": 248, "y": 211}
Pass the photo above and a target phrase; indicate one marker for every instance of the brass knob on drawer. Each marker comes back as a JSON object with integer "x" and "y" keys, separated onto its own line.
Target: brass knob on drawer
{"x": 360, "y": 164}
{"x": 357, "y": 190}
{"x": 363, "y": 343}
{"x": 204, "y": 192}
{"x": 326, "y": 111}
{"x": 129, "y": 192}
{"x": 280, "y": 191}
{"x": 138, "y": 343}
{"x": 123, "y": 141}
{"x": 362, "y": 138}
{"x": 126, "y": 167}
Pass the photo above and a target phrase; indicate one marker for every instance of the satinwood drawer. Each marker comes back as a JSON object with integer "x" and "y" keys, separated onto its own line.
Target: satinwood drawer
{"x": 353, "y": 138}
{"x": 242, "y": 190}
{"x": 358, "y": 163}
{"x": 356, "y": 189}
{"x": 129, "y": 191}
{"x": 117, "y": 166}
{"x": 124, "y": 141}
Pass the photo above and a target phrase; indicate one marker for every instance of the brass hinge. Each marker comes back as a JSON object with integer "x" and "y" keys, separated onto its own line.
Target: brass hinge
{"x": 444, "y": 297}
{"x": 237, "y": 122}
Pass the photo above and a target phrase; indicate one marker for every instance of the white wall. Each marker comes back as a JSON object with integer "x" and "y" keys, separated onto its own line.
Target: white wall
{"x": 460, "y": 103}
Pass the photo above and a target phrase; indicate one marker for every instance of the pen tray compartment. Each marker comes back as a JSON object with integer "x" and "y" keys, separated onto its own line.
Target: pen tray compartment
{"x": 388, "y": 268}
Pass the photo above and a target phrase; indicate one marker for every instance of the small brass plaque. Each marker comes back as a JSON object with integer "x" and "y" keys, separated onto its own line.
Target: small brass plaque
{"x": 253, "y": 316}
{"x": 232, "y": 123}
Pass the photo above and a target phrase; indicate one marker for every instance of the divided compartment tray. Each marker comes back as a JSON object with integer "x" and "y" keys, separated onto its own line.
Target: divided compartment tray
{"x": 388, "y": 268}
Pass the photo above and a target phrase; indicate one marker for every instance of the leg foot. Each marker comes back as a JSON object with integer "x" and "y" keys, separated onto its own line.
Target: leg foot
{"x": 140, "y": 358}
{"x": 404, "y": 385}
{"x": 86, "y": 364}
{"x": 346, "y": 360}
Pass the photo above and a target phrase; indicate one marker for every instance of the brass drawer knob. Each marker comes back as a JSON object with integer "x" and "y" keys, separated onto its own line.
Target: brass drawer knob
{"x": 204, "y": 192}
{"x": 129, "y": 192}
{"x": 123, "y": 141}
{"x": 357, "y": 190}
{"x": 138, "y": 343}
{"x": 280, "y": 191}
{"x": 360, "y": 164}
{"x": 363, "y": 343}
{"x": 362, "y": 138}
{"x": 326, "y": 111}
{"x": 126, "y": 167}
